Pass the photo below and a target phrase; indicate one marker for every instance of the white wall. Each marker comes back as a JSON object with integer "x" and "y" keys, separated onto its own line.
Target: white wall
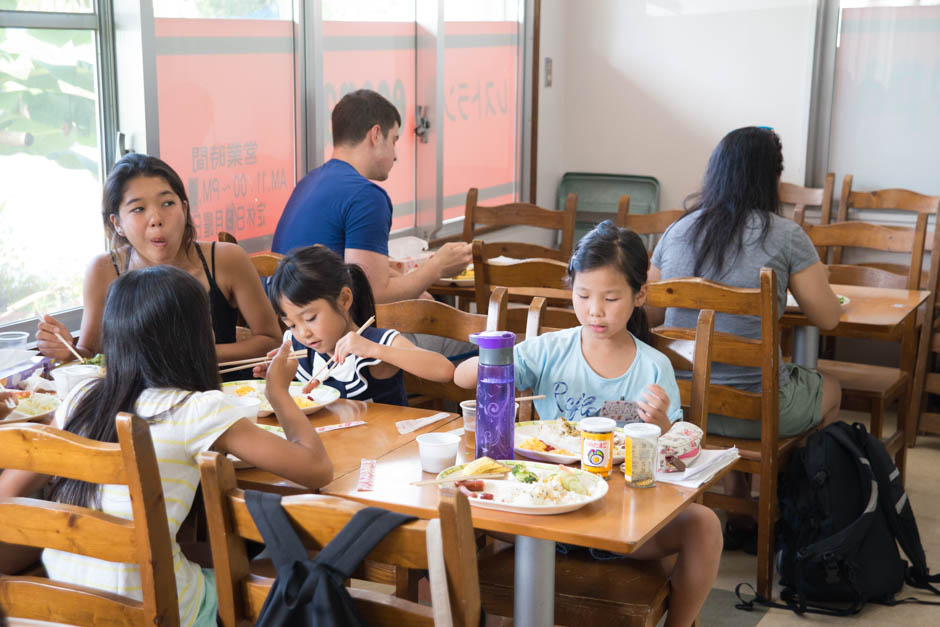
{"x": 651, "y": 87}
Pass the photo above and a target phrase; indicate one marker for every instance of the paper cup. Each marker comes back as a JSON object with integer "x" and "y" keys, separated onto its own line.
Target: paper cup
{"x": 437, "y": 451}
{"x": 67, "y": 377}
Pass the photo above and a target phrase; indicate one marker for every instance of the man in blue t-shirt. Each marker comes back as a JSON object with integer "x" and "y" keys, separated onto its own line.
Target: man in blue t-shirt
{"x": 338, "y": 206}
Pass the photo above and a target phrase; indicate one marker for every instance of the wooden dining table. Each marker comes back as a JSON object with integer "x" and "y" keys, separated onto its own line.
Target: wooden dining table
{"x": 621, "y": 521}
{"x": 347, "y": 447}
{"x": 874, "y": 313}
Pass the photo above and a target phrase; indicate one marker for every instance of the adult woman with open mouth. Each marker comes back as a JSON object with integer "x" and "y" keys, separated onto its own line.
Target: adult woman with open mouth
{"x": 146, "y": 215}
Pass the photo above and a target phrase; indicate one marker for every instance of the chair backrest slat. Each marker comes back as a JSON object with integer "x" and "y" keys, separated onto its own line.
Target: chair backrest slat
{"x": 522, "y": 214}
{"x": 37, "y": 523}
{"x": 525, "y": 273}
{"x": 50, "y": 451}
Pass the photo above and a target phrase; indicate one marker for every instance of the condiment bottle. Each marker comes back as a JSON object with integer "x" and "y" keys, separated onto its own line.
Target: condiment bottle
{"x": 641, "y": 441}
{"x": 496, "y": 394}
{"x": 597, "y": 445}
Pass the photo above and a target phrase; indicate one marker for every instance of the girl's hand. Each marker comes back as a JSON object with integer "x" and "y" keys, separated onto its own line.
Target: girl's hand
{"x": 48, "y": 344}
{"x": 261, "y": 370}
{"x": 280, "y": 373}
{"x": 352, "y": 344}
{"x": 654, "y": 406}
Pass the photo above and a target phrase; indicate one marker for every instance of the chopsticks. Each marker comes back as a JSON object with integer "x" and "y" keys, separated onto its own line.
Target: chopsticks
{"x": 522, "y": 398}
{"x": 452, "y": 478}
{"x": 69, "y": 346}
{"x": 329, "y": 368}
{"x": 241, "y": 364}
{"x": 254, "y": 361}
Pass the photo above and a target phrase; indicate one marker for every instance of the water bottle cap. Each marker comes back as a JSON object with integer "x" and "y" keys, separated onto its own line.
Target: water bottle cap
{"x": 489, "y": 340}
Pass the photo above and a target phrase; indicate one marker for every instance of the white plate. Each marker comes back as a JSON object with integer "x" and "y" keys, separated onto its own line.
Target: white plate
{"x": 597, "y": 486}
{"x": 526, "y": 430}
{"x": 37, "y": 406}
{"x": 322, "y": 395}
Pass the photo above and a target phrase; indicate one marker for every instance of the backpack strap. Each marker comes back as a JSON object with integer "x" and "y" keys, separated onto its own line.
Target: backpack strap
{"x": 897, "y": 509}
{"x": 279, "y": 536}
{"x": 361, "y": 534}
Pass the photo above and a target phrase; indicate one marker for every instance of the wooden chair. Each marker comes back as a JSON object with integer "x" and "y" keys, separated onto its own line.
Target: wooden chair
{"x": 265, "y": 263}
{"x": 767, "y": 455}
{"x": 524, "y": 279}
{"x": 242, "y": 586}
{"x": 925, "y": 380}
{"x": 648, "y": 224}
{"x": 867, "y": 387}
{"x": 434, "y": 318}
{"x": 619, "y": 592}
{"x": 144, "y": 540}
{"x": 522, "y": 214}
{"x": 884, "y": 200}
{"x": 801, "y": 197}
{"x": 225, "y": 236}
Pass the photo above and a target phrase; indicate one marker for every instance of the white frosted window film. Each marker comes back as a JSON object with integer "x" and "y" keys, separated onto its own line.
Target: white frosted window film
{"x": 885, "y": 127}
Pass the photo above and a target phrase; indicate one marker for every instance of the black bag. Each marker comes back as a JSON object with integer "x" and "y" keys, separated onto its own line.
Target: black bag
{"x": 313, "y": 592}
{"x": 842, "y": 509}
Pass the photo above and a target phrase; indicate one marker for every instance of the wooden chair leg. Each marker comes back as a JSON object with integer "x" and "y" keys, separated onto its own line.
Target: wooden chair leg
{"x": 900, "y": 460}
{"x": 767, "y": 515}
{"x": 878, "y": 417}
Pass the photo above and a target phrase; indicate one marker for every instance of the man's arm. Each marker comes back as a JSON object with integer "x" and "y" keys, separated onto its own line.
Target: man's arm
{"x": 388, "y": 288}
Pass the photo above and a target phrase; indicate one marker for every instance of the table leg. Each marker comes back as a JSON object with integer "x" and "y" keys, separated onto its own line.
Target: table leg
{"x": 534, "y": 599}
{"x": 806, "y": 346}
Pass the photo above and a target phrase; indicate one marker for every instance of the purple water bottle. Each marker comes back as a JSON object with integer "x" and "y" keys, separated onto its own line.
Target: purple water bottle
{"x": 496, "y": 404}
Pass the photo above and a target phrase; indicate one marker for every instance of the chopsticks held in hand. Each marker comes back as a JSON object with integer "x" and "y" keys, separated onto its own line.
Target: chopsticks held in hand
{"x": 71, "y": 347}
{"x": 315, "y": 379}
{"x": 241, "y": 364}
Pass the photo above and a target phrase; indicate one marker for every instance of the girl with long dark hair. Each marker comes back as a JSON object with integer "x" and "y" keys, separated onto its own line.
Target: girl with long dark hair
{"x": 323, "y": 301}
{"x": 147, "y": 219}
{"x": 731, "y": 230}
{"x": 162, "y": 366}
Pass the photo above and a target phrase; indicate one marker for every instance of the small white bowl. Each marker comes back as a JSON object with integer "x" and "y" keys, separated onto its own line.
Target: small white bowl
{"x": 437, "y": 451}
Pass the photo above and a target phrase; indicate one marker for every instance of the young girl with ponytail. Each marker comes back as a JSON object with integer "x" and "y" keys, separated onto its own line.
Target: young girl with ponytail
{"x": 323, "y": 302}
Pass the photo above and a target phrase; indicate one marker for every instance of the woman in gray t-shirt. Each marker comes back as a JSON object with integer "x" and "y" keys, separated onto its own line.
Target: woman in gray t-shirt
{"x": 731, "y": 230}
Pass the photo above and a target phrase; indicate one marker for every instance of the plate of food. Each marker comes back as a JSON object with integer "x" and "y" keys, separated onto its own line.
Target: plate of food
{"x": 32, "y": 406}
{"x": 318, "y": 398}
{"x": 527, "y": 487}
{"x": 464, "y": 279}
{"x": 557, "y": 441}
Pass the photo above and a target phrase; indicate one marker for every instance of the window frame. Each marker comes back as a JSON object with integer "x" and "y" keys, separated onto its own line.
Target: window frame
{"x": 101, "y": 21}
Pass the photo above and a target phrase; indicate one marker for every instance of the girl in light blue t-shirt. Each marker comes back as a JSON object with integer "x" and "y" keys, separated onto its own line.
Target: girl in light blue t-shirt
{"x": 606, "y": 358}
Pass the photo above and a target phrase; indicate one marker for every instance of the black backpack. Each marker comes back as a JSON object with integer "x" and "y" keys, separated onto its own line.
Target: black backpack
{"x": 313, "y": 592}
{"x": 843, "y": 512}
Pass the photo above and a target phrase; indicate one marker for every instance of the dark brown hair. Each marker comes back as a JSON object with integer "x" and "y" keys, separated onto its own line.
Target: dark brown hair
{"x": 623, "y": 250}
{"x": 315, "y": 272}
{"x": 359, "y": 111}
{"x": 131, "y": 166}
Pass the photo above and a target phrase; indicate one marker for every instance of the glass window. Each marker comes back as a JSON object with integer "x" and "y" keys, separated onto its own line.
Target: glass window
{"x": 50, "y": 167}
{"x": 370, "y": 44}
{"x": 885, "y": 112}
{"x": 57, "y": 6}
{"x": 225, "y": 92}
